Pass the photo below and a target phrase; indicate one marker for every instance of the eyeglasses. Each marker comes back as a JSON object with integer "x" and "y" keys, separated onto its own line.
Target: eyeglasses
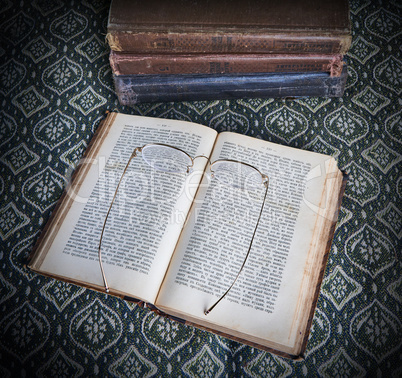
{"x": 170, "y": 159}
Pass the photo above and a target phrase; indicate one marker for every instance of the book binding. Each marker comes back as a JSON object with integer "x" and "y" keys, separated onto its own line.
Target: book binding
{"x": 161, "y": 64}
{"x": 133, "y": 89}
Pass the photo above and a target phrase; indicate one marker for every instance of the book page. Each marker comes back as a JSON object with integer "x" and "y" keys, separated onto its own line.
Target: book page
{"x": 147, "y": 215}
{"x": 264, "y": 300}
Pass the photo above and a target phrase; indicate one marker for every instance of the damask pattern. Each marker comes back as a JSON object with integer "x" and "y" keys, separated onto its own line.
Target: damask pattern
{"x": 55, "y": 87}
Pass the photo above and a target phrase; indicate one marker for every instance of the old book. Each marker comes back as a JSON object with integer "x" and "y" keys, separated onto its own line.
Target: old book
{"x": 244, "y": 214}
{"x": 151, "y": 64}
{"x": 251, "y": 26}
{"x": 134, "y": 89}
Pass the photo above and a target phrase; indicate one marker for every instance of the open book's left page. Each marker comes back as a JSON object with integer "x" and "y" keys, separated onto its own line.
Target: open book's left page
{"x": 147, "y": 215}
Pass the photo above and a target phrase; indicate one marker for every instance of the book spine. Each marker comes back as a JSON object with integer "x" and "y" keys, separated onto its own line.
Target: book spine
{"x": 134, "y": 89}
{"x": 129, "y": 64}
{"x": 195, "y": 42}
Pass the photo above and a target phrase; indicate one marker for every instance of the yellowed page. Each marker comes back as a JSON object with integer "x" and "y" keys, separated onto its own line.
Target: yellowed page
{"x": 147, "y": 216}
{"x": 263, "y": 303}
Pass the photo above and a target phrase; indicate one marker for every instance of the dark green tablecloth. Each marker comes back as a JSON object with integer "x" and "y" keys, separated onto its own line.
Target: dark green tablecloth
{"x": 55, "y": 86}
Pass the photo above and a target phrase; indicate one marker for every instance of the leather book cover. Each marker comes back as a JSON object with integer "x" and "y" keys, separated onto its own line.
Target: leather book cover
{"x": 248, "y": 26}
{"x": 161, "y": 64}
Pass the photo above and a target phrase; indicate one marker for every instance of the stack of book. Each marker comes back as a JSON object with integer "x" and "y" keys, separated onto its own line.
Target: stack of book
{"x": 222, "y": 49}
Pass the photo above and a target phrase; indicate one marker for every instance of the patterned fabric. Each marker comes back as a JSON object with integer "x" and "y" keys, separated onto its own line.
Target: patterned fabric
{"x": 55, "y": 86}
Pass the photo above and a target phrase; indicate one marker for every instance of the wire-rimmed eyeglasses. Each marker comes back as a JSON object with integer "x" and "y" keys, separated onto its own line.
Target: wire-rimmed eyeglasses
{"x": 170, "y": 159}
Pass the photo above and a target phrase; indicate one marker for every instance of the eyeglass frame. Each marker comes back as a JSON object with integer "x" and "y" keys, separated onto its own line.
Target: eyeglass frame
{"x": 265, "y": 182}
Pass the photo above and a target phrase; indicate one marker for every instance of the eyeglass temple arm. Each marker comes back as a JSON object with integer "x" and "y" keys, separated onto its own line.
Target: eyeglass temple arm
{"x": 265, "y": 182}
{"x": 134, "y": 154}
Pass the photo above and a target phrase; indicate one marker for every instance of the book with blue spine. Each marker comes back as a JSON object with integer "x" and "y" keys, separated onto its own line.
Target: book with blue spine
{"x": 134, "y": 89}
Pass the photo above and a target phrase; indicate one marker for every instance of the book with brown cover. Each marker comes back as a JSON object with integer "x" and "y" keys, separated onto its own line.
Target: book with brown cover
{"x": 296, "y": 265}
{"x": 229, "y": 26}
{"x": 161, "y": 64}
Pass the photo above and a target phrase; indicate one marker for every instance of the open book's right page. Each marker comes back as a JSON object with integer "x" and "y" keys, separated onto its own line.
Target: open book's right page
{"x": 269, "y": 299}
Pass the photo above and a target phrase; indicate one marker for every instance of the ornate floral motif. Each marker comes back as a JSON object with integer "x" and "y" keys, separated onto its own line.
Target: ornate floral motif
{"x": 38, "y": 49}
{"x": 96, "y": 328}
{"x": 267, "y": 365}
{"x": 60, "y": 293}
{"x": 340, "y": 288}
{"x": 362, "y": 186}
{"x": 362, "y": 50}
{"x": 391, "y": 216}
{"x": 24, "y": 331}
{"x": 30, "y": 101}
{"x": 61, "y": 366}
{"x": 72, "y": 156}
{"x": 54, "y": 129}
{"x": 389, "y": 74}
{"x": 11, "y": 219}
{"x": 382, "y": 156}
{"x": 11, "y": 74}
{"x": 370, "y": 100}
{"x": 370, "y": 251}
{"x": 228, "y": 120}
{"x": 319, "y": 145}
{"x": 43, "y": 189}
{"x": 87, "y": 101}
{"x": 62, "y": 75}
{"x": 17, "y": 28}
{"x": 383, "y": 24}
{"x": 341, "y": 365}
{"x": 165, "y": 335}
{"x": 346, "y": 125}
{"x": 93, "y": 48}
{"x": 375, "y": 330}
{"x": 133, "y": 364}
{"x": 19, "y": 158}
{"x": 204, "y": 364}
{"x": 288, "y": 124}
{"x": 69, "y": 25}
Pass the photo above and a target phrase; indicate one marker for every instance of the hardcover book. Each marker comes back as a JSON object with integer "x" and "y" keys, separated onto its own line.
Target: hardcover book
{"x": 226, "y": 232}
{"x": 251, "y": 26}
{"x": 160, "y": 64}
{"x": 134, "y": 89}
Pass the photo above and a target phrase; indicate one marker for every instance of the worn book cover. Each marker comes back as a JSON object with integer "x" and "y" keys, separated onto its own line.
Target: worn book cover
{"x": 250, "y": 26}
{"x": 163, "y": 64}
{"x": 223, "y": 231}
{"x": 133, "y": 89}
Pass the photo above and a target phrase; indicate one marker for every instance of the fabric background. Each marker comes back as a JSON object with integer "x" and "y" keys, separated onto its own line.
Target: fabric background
{"x": 55, "y": 86}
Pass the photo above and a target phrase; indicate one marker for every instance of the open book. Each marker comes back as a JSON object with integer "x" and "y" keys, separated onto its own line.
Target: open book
{"x": 178, "y": 239}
